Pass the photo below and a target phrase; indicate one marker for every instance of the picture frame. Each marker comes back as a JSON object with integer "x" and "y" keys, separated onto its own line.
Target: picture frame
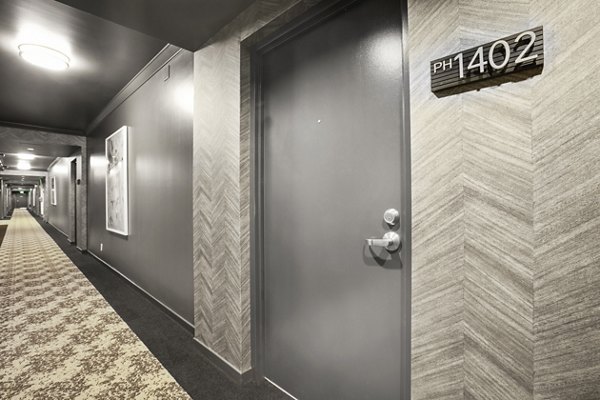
{"x": 53, "y": 197}
{"x": 117, "y": 181}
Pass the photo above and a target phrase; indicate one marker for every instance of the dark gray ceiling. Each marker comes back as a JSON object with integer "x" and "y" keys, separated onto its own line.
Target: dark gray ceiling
{"x": 44, "y": 153}
{"x": 185, "y": 23}
{"x": 105, "y": 56}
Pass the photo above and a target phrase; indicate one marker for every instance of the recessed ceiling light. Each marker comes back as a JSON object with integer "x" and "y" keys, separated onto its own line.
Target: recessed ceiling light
{"x": 23, "y": 165}
{"x": 30, "y": 148}
{"x": 44, "y": 57}
{"x": 25, "y": 156}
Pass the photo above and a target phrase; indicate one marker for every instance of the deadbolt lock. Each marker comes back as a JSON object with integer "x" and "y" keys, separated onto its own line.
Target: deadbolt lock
{"x": 391, "y": 216}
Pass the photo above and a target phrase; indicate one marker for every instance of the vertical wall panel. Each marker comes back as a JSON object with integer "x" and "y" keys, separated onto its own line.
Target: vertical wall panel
{"x": 498, "y": 183}
{"x": 216, "y": 175}
{"x": 492, "y": 225}
{"x": 438, "y": 210}
{"x": 567, "y": 192}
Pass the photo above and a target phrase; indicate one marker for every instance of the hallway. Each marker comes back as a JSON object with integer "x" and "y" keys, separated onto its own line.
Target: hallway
{"x": 59, "y": 338}
{"x": 307, "y": 199}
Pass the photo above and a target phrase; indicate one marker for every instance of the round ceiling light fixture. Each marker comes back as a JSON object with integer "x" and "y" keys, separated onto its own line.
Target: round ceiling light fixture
{"x": 44, "y": 57}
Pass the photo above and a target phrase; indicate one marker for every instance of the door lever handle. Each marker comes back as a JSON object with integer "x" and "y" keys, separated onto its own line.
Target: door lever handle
{"x": 390, "y": 241}
{"x": 379, "y": 242}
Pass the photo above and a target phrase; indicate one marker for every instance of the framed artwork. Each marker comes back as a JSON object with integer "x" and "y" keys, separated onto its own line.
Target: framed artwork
{"x": 117, "y": 184}
{"x": 41, "y": 200}
{"x": 53, "y": 191}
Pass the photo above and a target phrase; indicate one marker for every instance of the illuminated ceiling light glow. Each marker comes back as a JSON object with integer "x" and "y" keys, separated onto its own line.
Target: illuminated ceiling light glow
{"x": 44, "y": 57}
{"x": 23, "y": 165}
{"x": 30, "y": 148}
{"x": 24, "y": 156}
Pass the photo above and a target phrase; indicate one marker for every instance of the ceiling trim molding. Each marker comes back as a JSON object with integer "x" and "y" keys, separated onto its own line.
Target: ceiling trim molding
{"x": 41, "y": 128}
{"x": 155, "y": 65}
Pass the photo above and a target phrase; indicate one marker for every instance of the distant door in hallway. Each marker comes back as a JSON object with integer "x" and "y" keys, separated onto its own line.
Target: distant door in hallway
{"x": 73, "y": 189}
{"x": 19, "y": 200}
{"x": 331, "y": 153}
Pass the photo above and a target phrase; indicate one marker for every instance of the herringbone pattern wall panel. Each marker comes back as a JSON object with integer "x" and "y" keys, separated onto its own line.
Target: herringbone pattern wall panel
{"x": 438, "y": 210}
{"x": 566, "y": 146}
{"x": 498, "y": 182}
{"x": 528, "y": 320}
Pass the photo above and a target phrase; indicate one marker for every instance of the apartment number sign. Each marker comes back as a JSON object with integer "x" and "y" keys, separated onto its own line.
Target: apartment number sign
{"x": 516, "y": 53}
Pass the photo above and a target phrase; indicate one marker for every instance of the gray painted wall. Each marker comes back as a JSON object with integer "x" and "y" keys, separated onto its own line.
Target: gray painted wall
{"x": 59, "y": 214}
{"x": 157, "y": 254}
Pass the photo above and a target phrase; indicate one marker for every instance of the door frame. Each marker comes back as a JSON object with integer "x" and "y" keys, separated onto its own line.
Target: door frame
{"x": 277, "y": 33}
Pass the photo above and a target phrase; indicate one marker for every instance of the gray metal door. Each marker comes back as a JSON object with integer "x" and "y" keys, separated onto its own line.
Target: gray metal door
{"x": 332, "y": 165}
{"x": 20, "y": 200}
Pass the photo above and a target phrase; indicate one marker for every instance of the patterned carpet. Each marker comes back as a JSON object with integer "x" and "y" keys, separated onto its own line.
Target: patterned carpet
{"x": 59, "y": 338}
